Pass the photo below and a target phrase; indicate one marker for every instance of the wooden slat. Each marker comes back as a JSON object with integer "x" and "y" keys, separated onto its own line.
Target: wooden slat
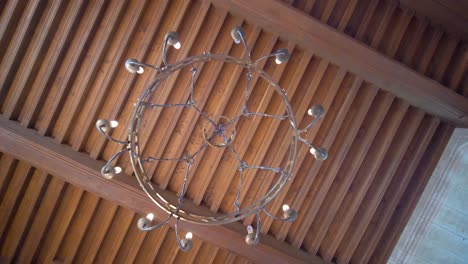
{"x": 58, "y": 226}
{"x": 85, "y": 173}
{"x": 57, "y": 47}
{"x": 40, "y": 221}
{"x": 412, "y": 194}
{"x": 10, "y": 16}
{"x": 105, "y": 77}
{"x": 112, "y": 244}
{"x": 89, "y": 67}
{"x": 75, "y": 233}
{"x": 372, "y": 235}
{"x": 96, "y": 231}
{"x": 20, "y": 221}
{"x": 28, "y": 67}
{"x": 173, "y": 19}
{"x": 66, "y": 75}
{"x": 8, "y": 164}
{"x": 14, "y": 192}
{"x": 151, "y": 245}
{"x": 16, "y": 48}
{"x": 380, "y": 70}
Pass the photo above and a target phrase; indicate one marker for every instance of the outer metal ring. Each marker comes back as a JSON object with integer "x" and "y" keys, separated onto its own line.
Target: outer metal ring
{"x": 156, "y": 195}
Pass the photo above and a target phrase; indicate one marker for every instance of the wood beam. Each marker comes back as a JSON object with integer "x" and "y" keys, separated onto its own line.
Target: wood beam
{"x": 451, "y": 15}
{"x": 81, "y": 170}
{"x": 386, "y": 73}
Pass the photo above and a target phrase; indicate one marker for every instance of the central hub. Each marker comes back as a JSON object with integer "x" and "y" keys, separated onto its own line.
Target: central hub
{"x": 219, "y": 132}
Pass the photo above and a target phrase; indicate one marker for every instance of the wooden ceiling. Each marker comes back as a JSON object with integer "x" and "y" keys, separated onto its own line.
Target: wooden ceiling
{"x": 62, "y": 69}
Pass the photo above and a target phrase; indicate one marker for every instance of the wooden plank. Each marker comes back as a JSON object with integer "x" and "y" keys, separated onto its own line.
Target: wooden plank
{"x": 28, "y": 204}
{"x": 111, "y": 246}
{"x": 412, "y": 194}
{"x": 384, "y": 212}
{"x": 115, "y": 56}
{"x": 16, "y": 48}
{"x": 65, "y": 75}
{"x": 382, "y": 71}
{"x": 149, "y": 249}
{"x": 40, "y": 221}
{"x": 50, "y": 62}
{"x": 84, "y": 172}
{"x": 89, "y": 67}
{"x": 452, "y": 17}
{"x": 83, "y": 213}
{"x": 142, "y": 50}
{"x": 97, "y": 229}
{"x": 29, "y": 66}
{"x": 58, "y": 226}
{"x": 15, "y": 190}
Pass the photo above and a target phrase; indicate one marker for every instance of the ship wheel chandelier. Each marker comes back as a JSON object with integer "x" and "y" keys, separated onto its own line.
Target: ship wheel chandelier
{"x": 217, "y": 131}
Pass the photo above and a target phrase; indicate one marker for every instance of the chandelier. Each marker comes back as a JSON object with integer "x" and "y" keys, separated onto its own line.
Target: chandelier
{"x": 218, "y": 132}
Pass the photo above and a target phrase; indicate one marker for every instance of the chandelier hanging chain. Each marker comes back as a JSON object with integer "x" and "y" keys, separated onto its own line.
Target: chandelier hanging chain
{"x": 221, "y": 128}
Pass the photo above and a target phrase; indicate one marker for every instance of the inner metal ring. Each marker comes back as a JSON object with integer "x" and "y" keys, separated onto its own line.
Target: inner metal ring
{"x": 219, "y": 133}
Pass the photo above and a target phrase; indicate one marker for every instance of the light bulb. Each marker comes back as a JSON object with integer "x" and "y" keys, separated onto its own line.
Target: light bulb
{"x": 237, "y": 33}
{"x": 282, "y": 55}
{"x": 117, "y": 170}
{"x": 188, "y": 235}
{"x": 113, "y": 123}
{"x": 140, "y": 70}
{"x": 177, "y": 45}
{"x": 150, "y": 216}
{"x": 250, "y": 229}
{"x": 316, "y": 111}
{"x": 319, "y": 153}
{"x": 285, "y": 207}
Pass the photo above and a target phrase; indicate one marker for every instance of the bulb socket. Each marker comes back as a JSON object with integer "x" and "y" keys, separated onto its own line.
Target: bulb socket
{"x": 316, "y": 111}
{"x": 103, "y": 125}
{"x": 319, "y": 153}
{"x": 251, "y": 239}
{"x": 237, "y": 33}
{"x": 290, "y": 215}
{"x": 133, "y": 66}
{"x": 172, "y": 39}
{"x": 108, "y": 172}
{"x": 186, "y": 244}
{"x": 282, "y": 55}
{"x": 143, "y": 223}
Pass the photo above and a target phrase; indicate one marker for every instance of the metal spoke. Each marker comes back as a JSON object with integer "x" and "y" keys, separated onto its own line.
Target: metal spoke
{"x": 205, "y": 116}
{"x": 280, "y": 117}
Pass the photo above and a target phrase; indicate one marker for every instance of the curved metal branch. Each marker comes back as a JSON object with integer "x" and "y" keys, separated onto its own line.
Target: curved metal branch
{"x": 245, "y": 45}
{"x": 310, "y": 124}
{"x": 273, "y": 216}
{"x": 99, "y": 128}
{"x": 108, "y": 163}
{"x": 306, "y": 142}
{"x": 184, "y": 244}
{"x": 150, "y": 66}
{"x": 267, "y": 56}
{"x": 157, "y": 225}
{"x": 166, "y": 39}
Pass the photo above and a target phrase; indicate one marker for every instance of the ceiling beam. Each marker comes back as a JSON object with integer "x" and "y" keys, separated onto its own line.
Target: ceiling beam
{"x": 451, "y": 15}
{"x": 321, "y": 39}
{"x": 82, "y": 171}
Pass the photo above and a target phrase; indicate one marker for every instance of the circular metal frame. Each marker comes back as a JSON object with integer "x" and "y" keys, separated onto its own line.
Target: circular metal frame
{"x": 178, "y": 210}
